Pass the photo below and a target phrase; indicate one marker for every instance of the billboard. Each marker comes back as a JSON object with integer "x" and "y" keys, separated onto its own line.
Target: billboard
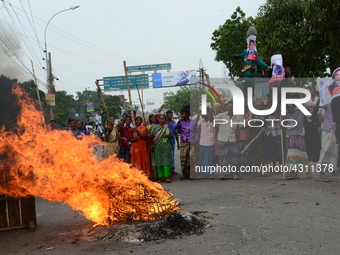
{"x": 148, "y": 67}
{"x": 160, "y": 80}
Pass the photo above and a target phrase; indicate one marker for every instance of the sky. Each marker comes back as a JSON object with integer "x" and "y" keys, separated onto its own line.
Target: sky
{"x": 92, "y": 41}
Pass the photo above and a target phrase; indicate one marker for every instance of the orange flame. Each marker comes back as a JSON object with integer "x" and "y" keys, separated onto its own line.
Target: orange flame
{"x": 57, "y": 167}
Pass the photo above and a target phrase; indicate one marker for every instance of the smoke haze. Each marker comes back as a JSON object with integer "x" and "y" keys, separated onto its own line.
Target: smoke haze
{"x": 10, "y": 52}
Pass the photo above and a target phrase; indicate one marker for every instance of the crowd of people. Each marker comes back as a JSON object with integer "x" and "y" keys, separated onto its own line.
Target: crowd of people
{"x": 148, "y": 146}
{"x": 309, "y": 146}
{"x": 305, "y": 144}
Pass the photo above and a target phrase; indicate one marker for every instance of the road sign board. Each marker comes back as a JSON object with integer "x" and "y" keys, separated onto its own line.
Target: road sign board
{"x": 118, "y": 82}
{"x": 148, "y": 67}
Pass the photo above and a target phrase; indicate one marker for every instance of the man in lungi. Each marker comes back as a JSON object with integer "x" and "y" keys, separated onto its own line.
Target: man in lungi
{"x": 185, "y": 127}
{"x": 227, "y": 143}
{"x": 329, "y": 147}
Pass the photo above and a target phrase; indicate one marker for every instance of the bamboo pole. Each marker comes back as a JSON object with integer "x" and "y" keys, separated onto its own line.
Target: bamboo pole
{"x": 129, "y": 93}
{"x": 282, "y": 151}
{"x": 103, "y": 101}
{"x": 141, "y": 102}
{"x": 252, "y": 141}
{"x": 36, "y": 86}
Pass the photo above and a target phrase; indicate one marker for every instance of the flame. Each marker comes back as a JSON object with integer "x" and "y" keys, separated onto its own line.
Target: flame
{"x": 57, "y": 167}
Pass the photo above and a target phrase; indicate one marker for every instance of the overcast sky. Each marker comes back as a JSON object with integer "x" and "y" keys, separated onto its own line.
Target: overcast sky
{"x": 92, "y": 41}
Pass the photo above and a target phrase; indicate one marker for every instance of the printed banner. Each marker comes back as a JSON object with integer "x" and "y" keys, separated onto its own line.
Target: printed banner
{"x": 98, "y": 119}
{"x": 168, "y": 79}
{"x": 89, "y": 107}
{"x": 252, "y": 53}
{"x": 325, "y": 95}
{"x": 278, "y": 72}
{"x": 50, "y": 99}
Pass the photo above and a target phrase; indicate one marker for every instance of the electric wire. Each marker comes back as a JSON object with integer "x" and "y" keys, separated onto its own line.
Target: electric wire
{"x": 34, "y": 21}
{"x": 32, "y": 24}
{"x": 9, "y": 47}
{"x": 80, "y": 41}
{"x": 26, "y": 42}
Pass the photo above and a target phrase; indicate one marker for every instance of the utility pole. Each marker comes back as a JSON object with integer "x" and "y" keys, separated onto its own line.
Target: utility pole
{"x": 50, "y": 76}
{"x": 87, "y": 95}
{"x": 201, "y": 70}
{"x": 129, "y": 93}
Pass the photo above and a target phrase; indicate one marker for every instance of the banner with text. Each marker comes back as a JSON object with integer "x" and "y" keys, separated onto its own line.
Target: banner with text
{"x": 160, "y": 80}
{"x": 50, "y": 99}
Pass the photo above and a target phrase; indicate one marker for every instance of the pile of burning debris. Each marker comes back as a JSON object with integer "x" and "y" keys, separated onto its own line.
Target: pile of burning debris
{"x": 55, "y": 166}
{"x": 176, "y": 225}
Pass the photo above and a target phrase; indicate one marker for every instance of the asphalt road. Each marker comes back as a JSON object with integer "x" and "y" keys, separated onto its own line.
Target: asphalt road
{"x": 245, "y": 216}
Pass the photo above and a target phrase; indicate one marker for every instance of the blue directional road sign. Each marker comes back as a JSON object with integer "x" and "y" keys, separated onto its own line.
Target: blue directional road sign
{"x": 118, "y": 82}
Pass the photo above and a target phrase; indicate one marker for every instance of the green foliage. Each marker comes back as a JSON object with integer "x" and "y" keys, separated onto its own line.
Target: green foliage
{"x": 113, "y": 107}
{"x": 324, "y": 19}
{"x": 177, "y": 100}
{"x": 65, "y": 107}
{"x": 230, "y": 38}
{"x": 31, "y": 89}
{"x": 284, "y": 27}
{"x": 185, "y": 96}
{"x": 82, "y": 99}
{"x": 306, "y": 32}
{"x": 9, "y": 109}
{"x": 225, "y": 94}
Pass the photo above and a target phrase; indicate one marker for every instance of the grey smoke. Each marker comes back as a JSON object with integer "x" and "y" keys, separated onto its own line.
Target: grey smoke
{"x": 10, "y": 51}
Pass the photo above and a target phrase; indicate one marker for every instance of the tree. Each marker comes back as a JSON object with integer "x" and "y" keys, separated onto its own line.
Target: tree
{"x": 185, "y": 96}
{"x": 230, "y": 38}
{"x": 64, "y": 108}
{"x": 9, "y": 109}
{"x": 113, "y": 107}
{"x": 324, "y": 18}
{"x": 283, "y": 27}
{"x": 31, "y": 88}
{"x": 177, "y": 100}
{"x": 225, "y": 94}
{"x": 82, "y": 99}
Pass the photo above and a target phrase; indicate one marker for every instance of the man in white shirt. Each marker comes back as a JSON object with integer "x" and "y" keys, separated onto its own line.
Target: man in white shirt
{"x": 227, "y": 139}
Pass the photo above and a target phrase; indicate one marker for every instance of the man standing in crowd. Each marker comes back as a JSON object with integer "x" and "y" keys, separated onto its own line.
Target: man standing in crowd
{"x": 295, "y": 141}
{"x": 243, "y": 136}
{"x": 99, "y": 131}
{"x": 217, "y": 109}
{"x": 125, "y": 139}
{"x": 272, "y": 139}
{"x": 227, "y": 139}
{"x": 329, "y": 148}
{"x": 171, "y": 125}
{"x": 185, "y": 127}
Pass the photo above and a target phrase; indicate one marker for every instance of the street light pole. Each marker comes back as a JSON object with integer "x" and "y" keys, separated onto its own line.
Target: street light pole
{"x": 48, "y": 56}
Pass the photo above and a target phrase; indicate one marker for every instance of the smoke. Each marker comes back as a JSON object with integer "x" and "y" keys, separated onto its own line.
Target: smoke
{"x": 10, "y": 52}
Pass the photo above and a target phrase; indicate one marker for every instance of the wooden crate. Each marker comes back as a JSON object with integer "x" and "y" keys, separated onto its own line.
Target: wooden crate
{"x": 17, "y": 213}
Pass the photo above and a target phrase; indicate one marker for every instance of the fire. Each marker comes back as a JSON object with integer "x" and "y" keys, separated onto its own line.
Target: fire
{"x": 57, "y": 167}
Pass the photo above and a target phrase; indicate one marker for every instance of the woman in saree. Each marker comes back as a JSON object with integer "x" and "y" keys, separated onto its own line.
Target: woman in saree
{"x": 80, "y": 131}
{"x": 162, "y": 152}
{"x": 111, "y": 138}
{"x": 139, "y": 150}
